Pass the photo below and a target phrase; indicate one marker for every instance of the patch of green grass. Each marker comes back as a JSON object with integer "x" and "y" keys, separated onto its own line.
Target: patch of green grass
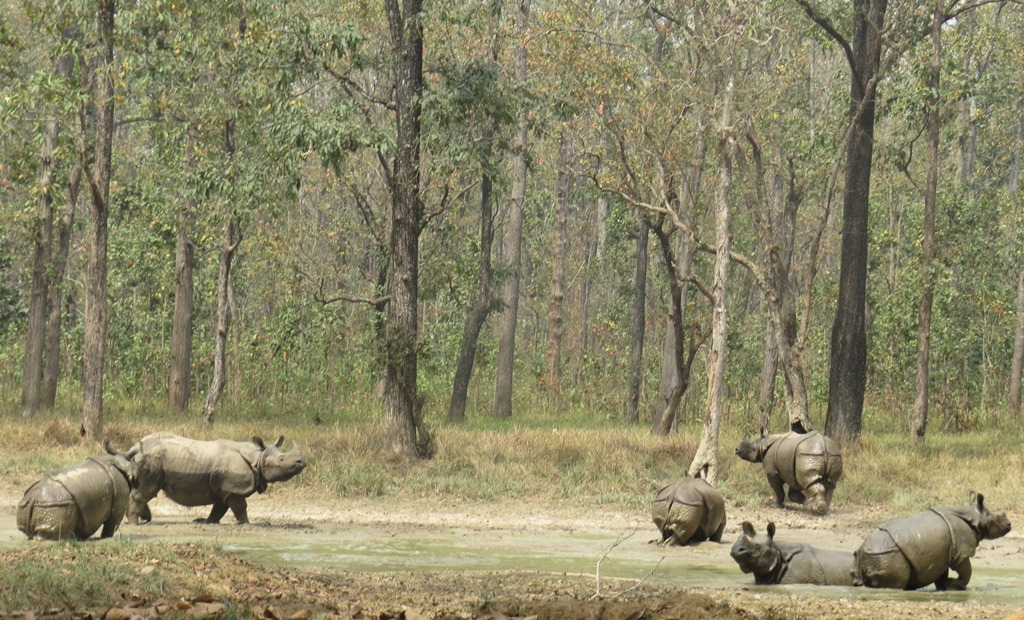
{"x": 75, "y": 575}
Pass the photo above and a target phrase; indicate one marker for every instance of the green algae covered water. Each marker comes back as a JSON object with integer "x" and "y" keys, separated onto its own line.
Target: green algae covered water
{"x": 998, "y": 574}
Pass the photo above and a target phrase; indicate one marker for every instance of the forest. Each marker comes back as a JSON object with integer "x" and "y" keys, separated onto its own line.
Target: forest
{"x": 679, "y": 213}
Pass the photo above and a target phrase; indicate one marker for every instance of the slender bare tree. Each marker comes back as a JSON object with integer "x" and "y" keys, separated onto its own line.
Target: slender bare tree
{"x": 94, "y": 348}
{"x": 513, "y": 234}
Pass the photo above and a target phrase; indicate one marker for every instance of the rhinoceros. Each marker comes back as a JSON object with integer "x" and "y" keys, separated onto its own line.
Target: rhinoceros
{"x": 784, "y": 563}
{"x": 198, "y": 473}
{"x": 810, "y": 464}
{"x": 689, "y": 511}
{"x": 919, "y": 550}
{"x": 77, "y": 500}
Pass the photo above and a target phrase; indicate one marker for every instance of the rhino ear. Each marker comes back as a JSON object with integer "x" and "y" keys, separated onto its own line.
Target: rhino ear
{"x": 259, "y": 442}
{"x": 280, "y": 441}
{"x": 771, "y": 529}
{"x": 978, "y": 501}
{"x": 107, "y": 447}
{"x": 748, "y": 530}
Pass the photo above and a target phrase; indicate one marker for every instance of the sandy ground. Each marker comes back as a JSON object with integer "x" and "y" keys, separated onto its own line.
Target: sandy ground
{"x": 388, "y": 558}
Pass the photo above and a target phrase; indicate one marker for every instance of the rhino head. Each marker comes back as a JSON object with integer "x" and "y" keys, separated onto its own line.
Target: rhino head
{"x": 756, "y": 553}
{"x": 121, "y": 462}
{"x": 278, "y": 466}
{"x": 752, "y": 451}
{"x": 988, "y": 525}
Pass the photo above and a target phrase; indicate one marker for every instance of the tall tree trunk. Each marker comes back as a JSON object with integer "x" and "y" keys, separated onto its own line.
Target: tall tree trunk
{"x": 410, "y": 438}
{"x": 636, "y": 336}
{"x": 919, "y": 420}
{"x": 95, "y": 322}
{"x": 848, "y": 364}
{"x": 179, "y": 386}
{"x": 514, "y": 235}
{"x": 677, "y": 267}
{"x": 705, "y": 461}
{"x": 776, "y": 227}
{"x": 555, "y": 306}
{"x": 51, "y": 357}
{"x": 485, "y": 300}
{"x": 32, "y": 374}
{"x": 769, "y": 370}
{"x": 229, "y": 245}
{"x": 1017, "y": 367}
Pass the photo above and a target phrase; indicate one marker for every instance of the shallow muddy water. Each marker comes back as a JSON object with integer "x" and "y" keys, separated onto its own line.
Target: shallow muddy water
{"x": 998, "y": 574}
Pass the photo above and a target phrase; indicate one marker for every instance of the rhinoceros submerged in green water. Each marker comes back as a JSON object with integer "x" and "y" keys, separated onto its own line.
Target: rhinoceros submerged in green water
{"x": 78, "y": 500}
{"x": 689, "y": 511}
{"x": 199, "y": 473}
{"x": 919, "y": 550}
{"x": 810, "y": 464}
{"x": 785, "y": 563}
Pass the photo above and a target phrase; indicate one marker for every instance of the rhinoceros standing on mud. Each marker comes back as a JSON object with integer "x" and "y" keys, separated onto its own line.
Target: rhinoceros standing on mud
{"x": 810, "y": 464}
{"x": 784, "y": 563}
{"x": 917, "y": 551}
{"x": 198, "y": 473}
{"x": 76, "y": 501}
{"x": 689, "y": 511}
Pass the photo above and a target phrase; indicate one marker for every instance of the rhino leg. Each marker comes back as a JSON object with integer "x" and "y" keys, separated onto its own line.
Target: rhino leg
{"x": 796, "y": 496}
{"x": 110, "y": 526}
{"x": 775, "y": 482}
{"x": 963, "y": 577}
{"x": 216, "y": 513}
{"x": 717, "y": 536}
{"x": 237, "y": 505}
{"x": 682, "y": 532}
{"x": 238, "y": 508}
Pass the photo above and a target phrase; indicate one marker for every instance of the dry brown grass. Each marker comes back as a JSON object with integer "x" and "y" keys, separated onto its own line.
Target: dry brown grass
{"x": 613, "y": 467}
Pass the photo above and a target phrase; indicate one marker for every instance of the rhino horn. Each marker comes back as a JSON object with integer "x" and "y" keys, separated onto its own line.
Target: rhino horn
{"x": 748, "y": 529}
{"x": 280, "y": 441}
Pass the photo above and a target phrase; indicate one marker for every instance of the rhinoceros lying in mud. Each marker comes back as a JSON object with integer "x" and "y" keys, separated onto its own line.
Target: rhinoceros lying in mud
{"x": 76, "y": 501}
{"x": 689, "y": 511}
{"x": 198, "y": 473}
{"x": 809, "y": 464}
{"x": 784, "y": 563}
{"x": 917, "y": 551}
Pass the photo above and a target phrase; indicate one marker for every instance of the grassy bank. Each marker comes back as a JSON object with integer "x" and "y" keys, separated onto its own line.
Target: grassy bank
{"x": 612, "y": 466}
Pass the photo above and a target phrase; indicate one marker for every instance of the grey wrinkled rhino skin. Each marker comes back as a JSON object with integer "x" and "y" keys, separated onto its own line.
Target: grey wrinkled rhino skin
{"x": 919, "y": 550}
{"x": 78, "y": 500}
{"x": 199, "y": 473}
{"x": 689, "y": 511}
{"x": 786, "y": 563}
{"x": 810, "y": 464}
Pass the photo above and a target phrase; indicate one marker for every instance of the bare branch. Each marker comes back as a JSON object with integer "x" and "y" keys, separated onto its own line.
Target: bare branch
{"x": 950, "y": 14}
{"x": 827, "y": 26}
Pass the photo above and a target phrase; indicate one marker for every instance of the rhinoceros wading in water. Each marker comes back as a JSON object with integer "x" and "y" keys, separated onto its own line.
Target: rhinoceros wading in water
{"x": 810, "y": 464}
{"x": 917, "y": 551}
{"x": 783, "y": 562}
{"x": 197, "y": 473}
{"x": 689, "y": 511}
{"x": 76, "y": 501}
